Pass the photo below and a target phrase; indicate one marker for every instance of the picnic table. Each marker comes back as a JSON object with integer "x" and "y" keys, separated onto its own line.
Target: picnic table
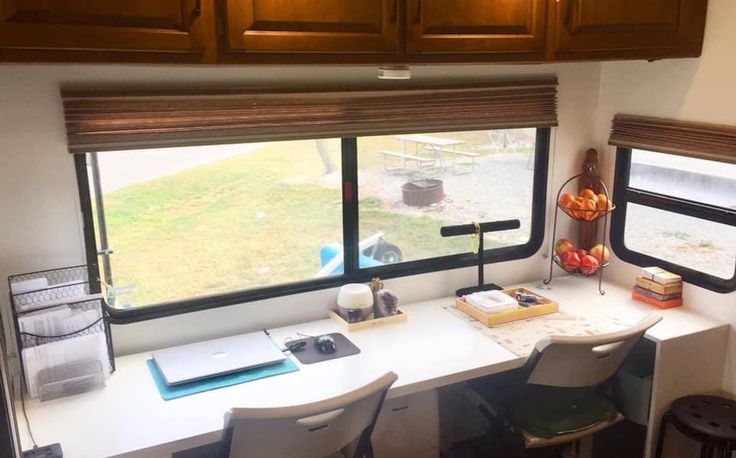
{"x": 428, "y": 151}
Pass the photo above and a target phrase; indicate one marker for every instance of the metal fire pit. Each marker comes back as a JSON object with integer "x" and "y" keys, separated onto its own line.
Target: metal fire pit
{"x": 422, "y": 192}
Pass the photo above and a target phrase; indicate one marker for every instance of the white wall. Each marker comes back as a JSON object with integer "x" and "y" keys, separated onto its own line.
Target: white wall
{"x": 40, "y": 223}
{"x": 39, "y": 210}
{"x": 689, "y": 89}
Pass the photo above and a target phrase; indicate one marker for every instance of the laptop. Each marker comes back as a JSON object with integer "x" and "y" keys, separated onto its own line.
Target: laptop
{"x": 187, "y": 363}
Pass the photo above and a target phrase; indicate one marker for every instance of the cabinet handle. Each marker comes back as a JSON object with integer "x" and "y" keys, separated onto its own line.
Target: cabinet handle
{"x": 395, "y": 12}
{"x": 398, "y": 409}
{"x": 418, "y": 19}
{"x": 197, "y": 11}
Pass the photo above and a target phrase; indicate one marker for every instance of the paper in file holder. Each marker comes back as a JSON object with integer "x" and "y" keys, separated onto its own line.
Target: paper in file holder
{"x": 62, "y": 332}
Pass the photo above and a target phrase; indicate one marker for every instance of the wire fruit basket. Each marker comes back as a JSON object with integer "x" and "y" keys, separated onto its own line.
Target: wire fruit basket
{"x": 587, "y": 209}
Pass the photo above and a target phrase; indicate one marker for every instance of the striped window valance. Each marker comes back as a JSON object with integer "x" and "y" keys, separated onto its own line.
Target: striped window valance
{"x": 103, "y": 121}
{"x": 698, "y": 140}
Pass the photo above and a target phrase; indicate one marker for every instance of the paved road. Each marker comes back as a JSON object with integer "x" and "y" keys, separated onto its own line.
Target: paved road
{"x": 124, "y": 168}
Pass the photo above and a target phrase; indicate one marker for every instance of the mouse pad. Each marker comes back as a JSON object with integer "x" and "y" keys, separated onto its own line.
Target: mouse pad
{"x": 309, "y": 354}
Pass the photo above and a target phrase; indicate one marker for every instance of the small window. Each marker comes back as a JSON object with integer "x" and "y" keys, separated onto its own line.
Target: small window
{"x": 188, "y": 227}
{"x": 677, "y": 212}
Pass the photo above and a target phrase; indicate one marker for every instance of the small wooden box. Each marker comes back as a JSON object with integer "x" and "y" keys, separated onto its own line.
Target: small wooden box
{"x": 399, "y": 317}
{"x": 543, "y": 307}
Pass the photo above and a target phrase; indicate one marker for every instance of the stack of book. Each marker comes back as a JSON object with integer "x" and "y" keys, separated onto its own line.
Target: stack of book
{"x": 659, "y": 288}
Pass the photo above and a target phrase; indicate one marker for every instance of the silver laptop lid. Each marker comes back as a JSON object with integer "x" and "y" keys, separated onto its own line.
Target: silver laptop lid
{"x": 190, "y": 362}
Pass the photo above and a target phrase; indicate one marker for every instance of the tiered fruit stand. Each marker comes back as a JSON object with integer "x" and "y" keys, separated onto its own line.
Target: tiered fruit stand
{"x": 584, "y": 216}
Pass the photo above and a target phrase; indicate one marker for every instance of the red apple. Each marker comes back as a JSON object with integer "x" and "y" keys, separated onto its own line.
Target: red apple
{"x": 563, "y": 246}
{"x": 588, "y": 264}
{"x": 570, "y": 261}
{"x": 601, "y": 253}
{"x": 582, "y": 252}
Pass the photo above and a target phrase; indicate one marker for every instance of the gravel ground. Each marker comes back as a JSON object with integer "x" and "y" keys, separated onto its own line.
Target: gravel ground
{"x": 499, "y": 187}
{"x": 690, "y": 242}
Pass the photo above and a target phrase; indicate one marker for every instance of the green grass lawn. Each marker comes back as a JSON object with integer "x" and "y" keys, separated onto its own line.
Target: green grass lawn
{"x": 251, "y": 220}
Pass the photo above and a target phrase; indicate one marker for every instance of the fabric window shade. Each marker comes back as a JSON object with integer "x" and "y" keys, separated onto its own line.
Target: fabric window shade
{"x": 698, "y": 140}
{"x": 98, "y": 121}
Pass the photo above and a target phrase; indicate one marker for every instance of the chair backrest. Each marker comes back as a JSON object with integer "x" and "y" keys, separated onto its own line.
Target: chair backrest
{"x": 311, "y": 430}
{"x": 566, "y": 361}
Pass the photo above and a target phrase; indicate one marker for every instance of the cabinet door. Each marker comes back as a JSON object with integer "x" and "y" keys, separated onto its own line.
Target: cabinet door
{"x": 409, "y": 427}
{"x": 170, "y": 26}
{"x": 629, "y": 28}
{"x": 308, "y": 26}
{"x": 501, "y": 29}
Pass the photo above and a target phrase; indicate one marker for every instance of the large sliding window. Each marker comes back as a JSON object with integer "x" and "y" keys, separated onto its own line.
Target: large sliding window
{"x": 176, "y": 227}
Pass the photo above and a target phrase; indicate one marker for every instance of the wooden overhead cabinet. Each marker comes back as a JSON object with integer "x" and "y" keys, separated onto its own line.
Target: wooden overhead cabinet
{"x": 80, "y": 30}
{"x": 628, "y": 29}
{"x": 347, "y": 30}
{"x": 473, "y": 30}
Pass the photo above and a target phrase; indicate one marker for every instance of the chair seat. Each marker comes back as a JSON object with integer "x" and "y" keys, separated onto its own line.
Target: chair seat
{"x": 551, "y": 411}
{"x": 532, "y": 441}
{"x": 712, "y": 416}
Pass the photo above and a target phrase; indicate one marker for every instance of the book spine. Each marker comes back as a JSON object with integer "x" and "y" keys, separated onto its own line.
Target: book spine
{"x": 659, "y": 304}
{"x": 645, "y": 283}
{"x": 661, "y": 276}
{"x": 654, "y": 295}
{"x": 667, "y": 278}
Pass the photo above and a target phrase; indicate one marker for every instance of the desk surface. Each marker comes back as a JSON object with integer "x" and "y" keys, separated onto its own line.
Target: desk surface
{"x": 431, "y": 349}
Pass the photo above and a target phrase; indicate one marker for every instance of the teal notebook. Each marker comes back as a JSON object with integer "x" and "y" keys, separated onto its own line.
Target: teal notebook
{"x": 198, "y": 386}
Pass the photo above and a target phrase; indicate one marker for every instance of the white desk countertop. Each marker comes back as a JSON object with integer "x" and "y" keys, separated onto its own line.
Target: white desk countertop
{"x": 432, "y": 348}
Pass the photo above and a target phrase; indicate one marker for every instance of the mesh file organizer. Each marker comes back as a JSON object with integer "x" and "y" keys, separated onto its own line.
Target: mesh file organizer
{"x": 36, "y": 297}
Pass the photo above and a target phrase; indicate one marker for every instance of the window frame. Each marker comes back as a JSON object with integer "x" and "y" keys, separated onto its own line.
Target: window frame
{"x": 352, "y": 272}
{"x": 623, "y": 194}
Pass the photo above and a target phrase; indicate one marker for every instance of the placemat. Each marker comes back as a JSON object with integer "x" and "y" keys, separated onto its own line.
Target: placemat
{"x": 309, "y": 354}
{"x": 520, "y": 337}
{"x": 198, "y": 386}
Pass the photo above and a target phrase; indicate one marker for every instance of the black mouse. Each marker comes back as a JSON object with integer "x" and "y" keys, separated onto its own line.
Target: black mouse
{"x": 325, "y": 344}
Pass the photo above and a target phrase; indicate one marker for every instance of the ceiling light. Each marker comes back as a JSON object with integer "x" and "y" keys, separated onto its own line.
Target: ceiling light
{"x": 394, "y": 72}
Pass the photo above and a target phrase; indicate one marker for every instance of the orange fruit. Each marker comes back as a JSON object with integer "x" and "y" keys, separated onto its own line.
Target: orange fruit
{"x": 566, "y": 199}
{"x": 602, "y": 202}
{"x": 588, "y": 193}
{"x": 574, "y": 208}
{"x": 591, "y": 207}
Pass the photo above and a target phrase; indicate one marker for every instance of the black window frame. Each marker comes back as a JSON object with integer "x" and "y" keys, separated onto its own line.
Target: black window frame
{"x": 623, "y": 194}
{"x": 352, "y": 272}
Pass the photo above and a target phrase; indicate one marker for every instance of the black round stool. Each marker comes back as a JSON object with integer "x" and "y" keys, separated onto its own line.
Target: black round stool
{"x": 709, "y": 420}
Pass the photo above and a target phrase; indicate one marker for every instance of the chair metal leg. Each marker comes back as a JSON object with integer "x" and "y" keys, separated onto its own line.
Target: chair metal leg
{"x": 585, "y": 446}
{"x": 666, "y": 418}
{"x": 368, "y": 452}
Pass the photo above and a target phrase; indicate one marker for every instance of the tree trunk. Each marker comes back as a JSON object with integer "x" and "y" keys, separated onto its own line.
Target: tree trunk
{"x": 324, "y": 154}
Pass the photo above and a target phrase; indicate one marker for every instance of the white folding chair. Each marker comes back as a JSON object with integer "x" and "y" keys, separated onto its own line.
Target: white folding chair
{"x": 342, "y": 424}
{"x": 583, "y": 361}
{"x": 568, "y": 362}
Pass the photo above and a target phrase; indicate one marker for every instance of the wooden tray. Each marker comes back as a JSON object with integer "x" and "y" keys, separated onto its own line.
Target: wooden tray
{"x": 399, "y": 317}
{"x": 545, "y": 307}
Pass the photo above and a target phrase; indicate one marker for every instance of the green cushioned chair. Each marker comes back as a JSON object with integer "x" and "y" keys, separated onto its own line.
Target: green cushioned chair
{"x": 555, "y": 398}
